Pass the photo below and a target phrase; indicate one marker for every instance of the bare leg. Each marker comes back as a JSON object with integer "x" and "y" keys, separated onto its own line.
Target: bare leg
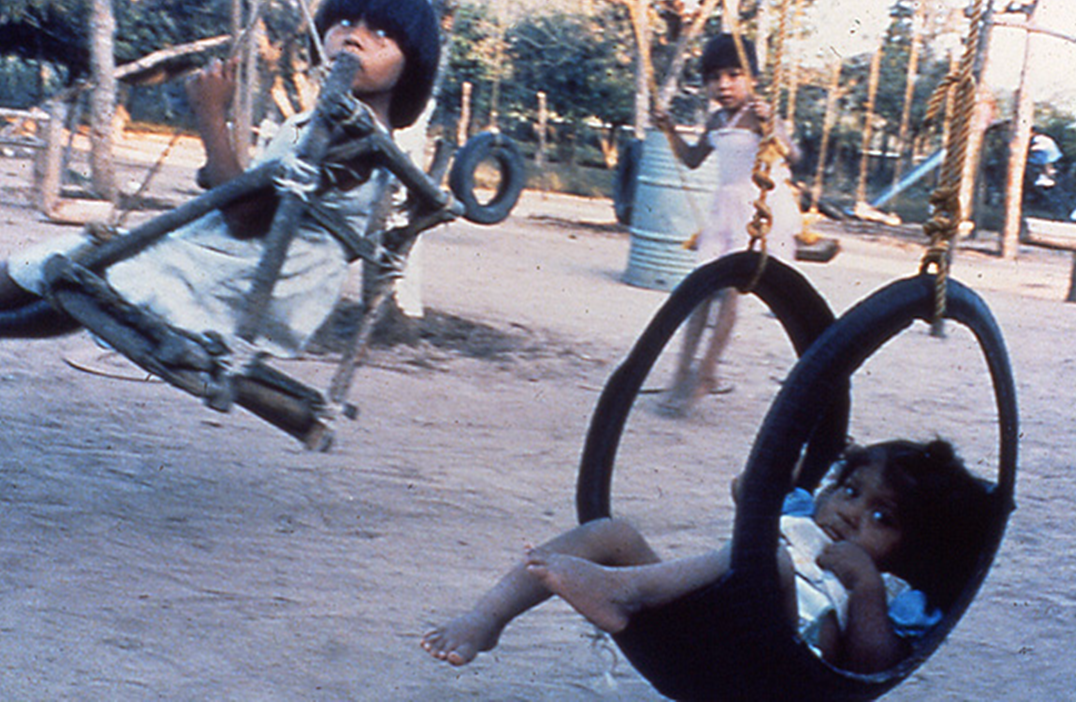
{"x": 727, "y": 306}
{"x": 678, "y": 401}
{"x": 606, "y": 541}
{"x": 609, "y": 596}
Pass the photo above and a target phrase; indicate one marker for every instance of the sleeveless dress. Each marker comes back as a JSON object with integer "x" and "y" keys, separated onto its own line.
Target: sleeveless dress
{"x": 733, "y": 205}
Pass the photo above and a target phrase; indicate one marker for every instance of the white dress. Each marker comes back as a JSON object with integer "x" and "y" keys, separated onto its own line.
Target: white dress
{"x": 197, "y": 277}
{"x": 733, "y": 207}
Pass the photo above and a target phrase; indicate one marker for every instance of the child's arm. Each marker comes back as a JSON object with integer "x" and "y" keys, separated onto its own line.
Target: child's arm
{"x": 868, "y": 643}
{"x": 690, "y": 155}
{"x": 761, "y": 110}
{"x": 210, "y": 91}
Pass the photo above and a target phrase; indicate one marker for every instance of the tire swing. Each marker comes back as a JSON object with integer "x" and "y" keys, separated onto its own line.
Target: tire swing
{"x": 728, "y": 641}
{"x": 513, "y": 176}
{"x": 799, "y": 308}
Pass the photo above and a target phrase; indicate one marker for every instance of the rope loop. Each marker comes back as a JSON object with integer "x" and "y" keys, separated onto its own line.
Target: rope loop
{"x": 297, "y": 177}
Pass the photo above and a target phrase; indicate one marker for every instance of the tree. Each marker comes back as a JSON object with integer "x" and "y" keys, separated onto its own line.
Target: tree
{"x": 471, "y": 52}
{"x": 102, "y": 99}
{"x": 580, "y": 64}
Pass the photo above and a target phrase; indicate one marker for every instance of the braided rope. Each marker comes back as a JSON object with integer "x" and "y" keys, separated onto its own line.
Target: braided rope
{"x": 944, "y": 223}
{"x": 770, "y": 148}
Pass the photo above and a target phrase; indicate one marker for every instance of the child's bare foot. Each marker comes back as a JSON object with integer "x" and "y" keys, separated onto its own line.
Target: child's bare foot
{"x": 678, "y": 401}
{"x": 463, "y": 638}
{"x": 711, "y": 385}
{"x": 596, "y": 592}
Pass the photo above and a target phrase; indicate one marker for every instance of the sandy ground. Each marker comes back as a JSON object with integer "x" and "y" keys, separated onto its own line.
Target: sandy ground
{"x": 154, "y": 549}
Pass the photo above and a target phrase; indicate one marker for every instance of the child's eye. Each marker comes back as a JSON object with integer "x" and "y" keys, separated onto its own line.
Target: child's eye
{"x": 345, "y": 23}
{"x": 381, "y": 34}
{"x": 882, "y": 517}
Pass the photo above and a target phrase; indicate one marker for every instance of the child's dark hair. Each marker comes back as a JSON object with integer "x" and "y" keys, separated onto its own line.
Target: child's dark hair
{"x": 720, "y": 52}
{"x": 413, "y": 25}
{"x": 944, "y": 512}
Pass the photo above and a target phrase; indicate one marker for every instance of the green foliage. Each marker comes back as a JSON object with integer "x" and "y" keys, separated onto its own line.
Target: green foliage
{"x": 472, "y": 53}
{"x": 583, "y": 66}
{"x": 148, "y": 25}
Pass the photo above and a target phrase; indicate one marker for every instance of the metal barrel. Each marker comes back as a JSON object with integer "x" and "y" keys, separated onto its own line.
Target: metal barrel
{"x": 671, "y": 204}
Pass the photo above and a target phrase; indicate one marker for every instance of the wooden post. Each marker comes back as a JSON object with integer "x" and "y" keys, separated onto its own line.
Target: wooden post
{"x": 909, "y": 88}
{"x": 1071, "y": 297}
{"x": 103, "y": 100}
{"x": 868, "y": 119}
{"x": 827, "y": 127}
{"x": 246, "y": 80}
{"x": 639, "y": 11}
{"x": 463, "y": 127}
{"x": 793, "y": 73}
{"x": 981, "y": 118}
{"x": 49, "y": 159}
{"x": 543, "y": 117}
{"x": 1019, "y": 141}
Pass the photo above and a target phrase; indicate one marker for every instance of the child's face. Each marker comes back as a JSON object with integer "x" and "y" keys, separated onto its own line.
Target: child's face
{"x": 730, "y": 87}
{"x": 382, "y": 59}
{"x": 863, "y": 510}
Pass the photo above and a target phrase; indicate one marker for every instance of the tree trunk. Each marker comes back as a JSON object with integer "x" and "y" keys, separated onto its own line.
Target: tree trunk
{"x": 103, "y": 99}
{"x": 1071, "y": 297}
{"x": 909, "y": 90}
{"x": 982, "y": 116}
{"x": 1019, "y": 140}
{"x": 644, "y": 69}
{"x": 868, "y": 123}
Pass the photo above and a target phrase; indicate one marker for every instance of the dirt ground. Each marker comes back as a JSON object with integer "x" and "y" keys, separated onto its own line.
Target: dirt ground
{"x": 155, "y": 549}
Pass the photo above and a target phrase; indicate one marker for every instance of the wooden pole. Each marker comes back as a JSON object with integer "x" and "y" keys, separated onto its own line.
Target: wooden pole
{"x": 49, "y": 162}
{"x": 982, "y": 115}
{"x": 543, "y": 117}
{"x": 464, "y": 125}
{"x": 827, "y": 127}
{"x": 909, "y": 87}
{"x": 668, "y": 87}
{"x": 793, "y": 73}
{"x": 868, "y": 119}
{"x": 1071, "y": 297}
{"x": 1020, "y": 139}
{"x": 103, "y": 100}
{"x": 639, "y": 11}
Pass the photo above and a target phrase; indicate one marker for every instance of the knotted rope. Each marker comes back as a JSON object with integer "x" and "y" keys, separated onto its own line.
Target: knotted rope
{"x": 946, "y": 214}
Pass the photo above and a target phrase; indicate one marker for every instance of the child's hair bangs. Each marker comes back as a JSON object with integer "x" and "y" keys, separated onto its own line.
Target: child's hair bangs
{"x": 412, "y": 25}
{"x": 721, "y": 53}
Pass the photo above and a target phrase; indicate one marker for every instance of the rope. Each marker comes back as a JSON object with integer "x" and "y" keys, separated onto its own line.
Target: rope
{"x": 944, "y": 223}
{"x": 770, "y": 148}
{"x": 664, "y": 96}
{"x": 177, "y": 134}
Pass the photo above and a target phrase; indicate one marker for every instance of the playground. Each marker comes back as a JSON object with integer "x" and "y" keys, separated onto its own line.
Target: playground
{"x": 154, "y": 548}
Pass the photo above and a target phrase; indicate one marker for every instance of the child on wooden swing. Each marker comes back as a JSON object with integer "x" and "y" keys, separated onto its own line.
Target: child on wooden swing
{"x": 197, "y": 278}
{"x": 732, "y": 136}
{"x": 867, "y": 565}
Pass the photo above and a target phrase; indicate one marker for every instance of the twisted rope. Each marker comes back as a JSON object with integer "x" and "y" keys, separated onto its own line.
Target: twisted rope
{"x": 944, "y": 223}
{"x": 770, "y": 148}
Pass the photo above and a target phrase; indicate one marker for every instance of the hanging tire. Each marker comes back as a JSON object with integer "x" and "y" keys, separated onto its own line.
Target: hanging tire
{"x": 513, "y": 176}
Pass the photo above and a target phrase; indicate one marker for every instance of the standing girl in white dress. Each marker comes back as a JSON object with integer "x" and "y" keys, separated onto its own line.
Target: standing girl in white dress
{"x": 733, "y": 133}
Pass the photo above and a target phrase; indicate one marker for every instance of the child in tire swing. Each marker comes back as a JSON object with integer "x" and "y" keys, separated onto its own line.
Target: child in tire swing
{"x": 867, "y": 565}
{"x": 197, "y": 277}
{"x": 732, "y": 137}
